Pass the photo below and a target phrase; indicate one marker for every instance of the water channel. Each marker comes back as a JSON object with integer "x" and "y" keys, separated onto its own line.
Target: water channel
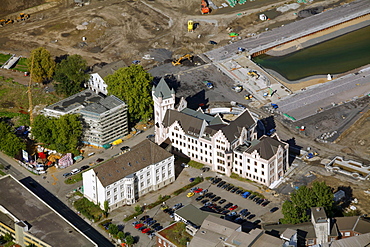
{"x": 335, "y": 56}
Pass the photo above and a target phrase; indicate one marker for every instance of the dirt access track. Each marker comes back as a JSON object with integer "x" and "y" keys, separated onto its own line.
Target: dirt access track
{"x": 110, "y": 30}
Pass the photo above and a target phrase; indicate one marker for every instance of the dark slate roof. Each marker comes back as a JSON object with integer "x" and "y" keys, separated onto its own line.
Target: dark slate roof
{"x": 163, "y": 90}
{"x": 191, "y": 125}
{"x": 103, "y": 105}
{"x": 198, "y": 114}
{"x": 75, "y": 101}
{"x": 353, "y": 223}
{"x": 305, "y": 229}
{"x": 142, "y": 155}
{"x": 109, "y": 69}
{"x": 266, "y": 147}
{"x": 233, "y": 130}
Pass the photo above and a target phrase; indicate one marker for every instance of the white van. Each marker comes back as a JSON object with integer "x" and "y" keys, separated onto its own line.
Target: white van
{"x": 91, "y": 154}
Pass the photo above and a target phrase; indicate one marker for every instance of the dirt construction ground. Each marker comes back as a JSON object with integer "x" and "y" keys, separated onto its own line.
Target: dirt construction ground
{"x": 110, "y": 30}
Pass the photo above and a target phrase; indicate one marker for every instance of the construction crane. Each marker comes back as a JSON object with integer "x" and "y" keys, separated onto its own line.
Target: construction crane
{"x": 179, "y": 61}
{"x": 29, "y": 92}
{"x": 204, "y": 7}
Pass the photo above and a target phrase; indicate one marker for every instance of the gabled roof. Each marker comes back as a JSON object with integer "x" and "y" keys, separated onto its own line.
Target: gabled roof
{"x": 193, "y": 214}
{"x": 163, "y": 90}
{"x": 142, "y": 155}
{"x": 305, "y": 230}
{"x": 266, "y": 147}
{"x": 110, "y": 68}
{"x": 191, "y": 125}
{"x": 353, "y": 223}
{"x": 198, "y": 114}
{"x": 234, "y": 129}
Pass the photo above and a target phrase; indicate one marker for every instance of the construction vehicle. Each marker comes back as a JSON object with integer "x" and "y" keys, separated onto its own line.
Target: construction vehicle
{"x": 23, "y": 16}
{"x": 204, "y": 7}
{"x": 253, "y": 74}
{"x": 179, "y": 61}
{"x": 190, "y": 26}
{"x": 248, "y": 96}
{"x": 2, "y": 22}
{"x": 9, "y": 21}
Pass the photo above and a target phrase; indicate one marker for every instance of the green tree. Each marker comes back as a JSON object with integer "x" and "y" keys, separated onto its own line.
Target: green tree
{"x": 10, "y": 144}
{"x": 40, "y": 65}
{"x": 8, "y": 237}
{"x": 129, "y": 240}
{"x": 133, "y": 86}
{"x": 70, "y": 75}
{"x": 297, "y": 210}
{"x": 113, "y": 229}
{"x": 106, "y": 208}
{"x": 62, "y": 134}
{"x": 121, "y": 235}
{"x": 138, "y": 209}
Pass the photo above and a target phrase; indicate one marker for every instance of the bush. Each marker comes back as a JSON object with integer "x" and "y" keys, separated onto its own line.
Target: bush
{"x": 88, "y": 209}
{"x": 196, "y": 181}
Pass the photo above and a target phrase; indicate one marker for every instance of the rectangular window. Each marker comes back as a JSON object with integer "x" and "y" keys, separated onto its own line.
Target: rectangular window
{"x": 108, "y": 193}
{"x": 347, "y": 234}
{"x": 115, "y": 190}
{"x": 255, "y": 163}
{"x": 248, "y": 161}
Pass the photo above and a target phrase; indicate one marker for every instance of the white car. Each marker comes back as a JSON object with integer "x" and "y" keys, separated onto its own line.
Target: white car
{"x": 75, "y": 171}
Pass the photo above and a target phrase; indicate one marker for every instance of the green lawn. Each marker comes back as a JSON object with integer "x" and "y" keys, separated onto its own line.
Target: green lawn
{"x": 4, "y": 58}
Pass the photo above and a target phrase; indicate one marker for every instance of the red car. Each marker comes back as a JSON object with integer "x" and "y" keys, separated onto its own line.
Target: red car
{"x": 233, "y": 207}
{"x": 198, "y": 190}
{"x": 139, "y": 225}
{"x": 145, "y": 230}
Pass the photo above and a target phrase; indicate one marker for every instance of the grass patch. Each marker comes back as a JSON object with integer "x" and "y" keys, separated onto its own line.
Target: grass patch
{"x": 237, "y": 177}
{"x": 74, "y": 179}
{"x": 2, "y": 173}
{"x": 196, "y": 181}
{"x": 195, "y": 164}
{"x": 88, "y": 209}
{"x": 177, "y": 234}
{"x": 4, "y": 58}
{"x": 160, "y": 201}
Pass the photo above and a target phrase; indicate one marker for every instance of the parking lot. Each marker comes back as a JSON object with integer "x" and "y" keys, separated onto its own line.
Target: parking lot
{"x": 164, "y": 218}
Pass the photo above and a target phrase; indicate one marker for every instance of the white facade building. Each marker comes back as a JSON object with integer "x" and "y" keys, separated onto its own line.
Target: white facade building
{"x": 264, "y": 160}
{"x": 96, "y": 82}
{"x": 213, "y": 141}
{"x": 121, "y": 181}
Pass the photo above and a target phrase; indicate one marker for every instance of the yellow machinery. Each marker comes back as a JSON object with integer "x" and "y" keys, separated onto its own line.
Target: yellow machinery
{"x": 190, "y": 25}
{"x": 253, "y": 74}
{"x": 179, "y": 61}
{"x": 23, "y": 16}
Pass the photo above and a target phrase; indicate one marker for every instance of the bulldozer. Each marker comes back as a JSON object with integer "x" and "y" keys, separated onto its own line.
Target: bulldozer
{"x": 23, "y": 16}
{"x": 179, "y": 61}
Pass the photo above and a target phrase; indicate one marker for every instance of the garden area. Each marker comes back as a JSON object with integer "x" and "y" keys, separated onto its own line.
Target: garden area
{"x": 88, "y": 209}
{"x": 177, "y": 234}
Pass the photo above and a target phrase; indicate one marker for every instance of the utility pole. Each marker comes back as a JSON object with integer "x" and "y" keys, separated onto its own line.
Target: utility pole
{"x": 30, "y": 105}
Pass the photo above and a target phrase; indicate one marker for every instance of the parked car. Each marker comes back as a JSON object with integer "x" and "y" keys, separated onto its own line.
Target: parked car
{"x": 259, "y": 201}
{"x": 177, "y": 206}
{"x": 208, "y": 194}
{"x": 191, "y": 180}
{"x": 142, "y": 228}
{"x": 233, "y": 207}
{"x": 216, "y": 180}
{"x": 212, "y": 42}
{"x": 239, "y": 220}
{"x": 265, "y": 203}
{"x": 251, "y": 216}
{"x": 82, "y": 168}
{"x": 274, "y": 209}
{"x": 198, "y": 190}
{"x": 163, "y": 207}
{"x": 184, "y": 165}
{"x": 221, "y": 184}
{"x": 256, "y": 222}
{"x": 243, "y": 212}
{"x": 139, "y": 225}
{"x": 193, "y": 189}
{"x": 99, "y": 160}
{"x": 144, "y": 217}
{"x": 158, "y": 228}
{"x": 67, "y": 174}
{"x": 204, "y": 201}
{"x": 125, "y": 148}
{"x": 225, "y": 186}
{"x": 251, "y": 197}
{"x": 199, "y": 198}
{"x": 233, "y": 190}
{"x": 222, "y": 201}
{"x": 239, "y": 192}
{"x": 146, "y": 230}
{"x": 228, "y": 205}
{"x": 205, "y": 169}
{"x": 155, "y": 225}
{"x": 212, "y": 196}
{"x": 150, "y": 136}
{"x": 216, "y": 199}
{"x": 229, "y": 187}
{"x": 256, "y": 199}
{"x": 135, "y": 223}
{"x": 152, "y": 222}
{"x": 246, "y": 194}
{"x": 190, "y": 194}
{"x": 225, "y": 212}
{"x": 75, "y": 171}
{"x": 106, "y": 225}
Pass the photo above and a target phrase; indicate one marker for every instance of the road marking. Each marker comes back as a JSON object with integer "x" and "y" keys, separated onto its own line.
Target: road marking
{"x": 55, "y": 179}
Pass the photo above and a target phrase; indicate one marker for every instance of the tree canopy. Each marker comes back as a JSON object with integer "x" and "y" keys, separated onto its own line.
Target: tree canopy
{"x": 297, "y": 209}
{"x": 10, "y": 144}
{"x": 40, "y": 65}
{"x": 133, "y": 86}
{"x": 62, "y": 134}
{"x": 70, "y": 75}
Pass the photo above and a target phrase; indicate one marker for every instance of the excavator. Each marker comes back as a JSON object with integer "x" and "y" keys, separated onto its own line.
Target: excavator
{"x": 204, "y": 7}
{"x": 23, "y": 16}
{"x": 179, "y": 61}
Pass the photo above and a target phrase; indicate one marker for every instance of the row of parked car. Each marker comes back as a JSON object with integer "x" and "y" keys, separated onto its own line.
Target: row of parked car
{"x": 147, "y": 225}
